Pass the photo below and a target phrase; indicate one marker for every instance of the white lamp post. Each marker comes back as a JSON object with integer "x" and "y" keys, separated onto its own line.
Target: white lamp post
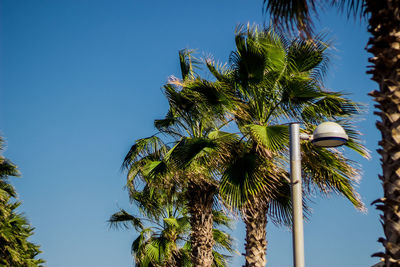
{"x": 327, "y": 134}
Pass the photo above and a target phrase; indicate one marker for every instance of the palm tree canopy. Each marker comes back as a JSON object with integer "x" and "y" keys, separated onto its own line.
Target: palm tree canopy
{"x": 278, "y": 80}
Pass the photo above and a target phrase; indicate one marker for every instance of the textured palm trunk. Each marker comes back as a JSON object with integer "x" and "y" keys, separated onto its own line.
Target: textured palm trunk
{"x": 170, "y": 263}
{"x": 255, "y": 218}
{"x": 172, "y": 260}
{"x": 200, "y": 202}
{"x": 385, "y": 46}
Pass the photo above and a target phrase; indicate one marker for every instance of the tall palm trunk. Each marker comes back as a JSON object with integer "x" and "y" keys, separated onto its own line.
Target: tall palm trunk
{"x": 200, "y": 201}
{"x": 255, "y": 218}
{"x": 384, "y": 25}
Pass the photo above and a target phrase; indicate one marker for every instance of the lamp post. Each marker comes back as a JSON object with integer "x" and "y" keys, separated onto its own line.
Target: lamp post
{"x": 327, "y": 134}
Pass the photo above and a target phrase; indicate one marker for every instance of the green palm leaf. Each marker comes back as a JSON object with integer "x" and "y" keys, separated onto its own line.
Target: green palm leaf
{"x": 151, "y": 146}
{"x": 273, "y": 137}
{"x": 309, "y": 56}
{"x": 330, "y": 105}
{"x": 221, "y": 219}
{"x": 222, "y": 240}
{"x": 220, "y": 260}
{"x": 126, "y": 220}
{"x": 190, "y": 149}
{"x": 245, "y": 175}
{"x": 188, "y": 63}
{"x": 171, "y": 222}
{"x": 220, "y": 72}
{"x": 354, "y": 142}
{"x": 330, "y": 171}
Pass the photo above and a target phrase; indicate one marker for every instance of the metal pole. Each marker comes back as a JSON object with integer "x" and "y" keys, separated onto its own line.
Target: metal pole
{"x": 296, "y": 192}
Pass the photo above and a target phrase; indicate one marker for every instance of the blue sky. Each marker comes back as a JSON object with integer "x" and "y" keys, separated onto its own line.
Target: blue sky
{"x": 80, "y": 82}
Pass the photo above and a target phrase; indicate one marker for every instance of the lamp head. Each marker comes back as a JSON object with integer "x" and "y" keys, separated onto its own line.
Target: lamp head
{"x": 329, "y": 134}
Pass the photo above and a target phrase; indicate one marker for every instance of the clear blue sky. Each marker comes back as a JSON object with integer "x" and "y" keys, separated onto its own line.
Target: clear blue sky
{"x": 80, "y": 81}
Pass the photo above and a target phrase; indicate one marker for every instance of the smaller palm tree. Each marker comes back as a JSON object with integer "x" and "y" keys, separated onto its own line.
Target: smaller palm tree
{"x": 196, "y": 110}
{"x": 164, "y": 231}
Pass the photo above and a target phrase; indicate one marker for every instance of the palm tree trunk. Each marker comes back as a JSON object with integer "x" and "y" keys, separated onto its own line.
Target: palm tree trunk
{"x": 255, "y": 218}
{"x": 172, "y": 259}
{"x": 200, "y": 202}
{"x": 384, "y": 25}
{"x": 170, "y": 262}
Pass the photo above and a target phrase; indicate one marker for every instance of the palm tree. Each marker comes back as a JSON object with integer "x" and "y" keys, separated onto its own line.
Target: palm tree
{"x": 15, "y": 249}
{"x": 190, "y": 165}
{"x": 161, "y": 229}
{"x": 384, "y": 26}
{"x": 164, "y": 230}
{"x": 277, "y": 80}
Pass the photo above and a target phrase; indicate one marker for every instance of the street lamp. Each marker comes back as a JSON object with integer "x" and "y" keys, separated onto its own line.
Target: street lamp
{"x": 327, "y": 134}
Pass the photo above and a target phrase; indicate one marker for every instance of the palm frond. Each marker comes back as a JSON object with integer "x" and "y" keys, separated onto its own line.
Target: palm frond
{"x": 354, "y": 142}
{"x": 221, "y": 135}
{"x": 273, "y": 137}
{"x": 223, "y": 240}
{"x": 7, "y": 168}
{"x": 291, "y": 14}
{"x": 6, "y": 191}
{"x": 220, "y": 260}
{"x": 248, "y": 61}
{"x": 309, "y": 55}
{"x": 297, "y": 94}
{"x": 330, "y": 171}
{"x": 245, "y": 175}
{"x": 330, "y": 105}
{"x": 126, "y": 220}
{"x": 351, "y": 7}
{"x": 164, "y": 125}
{"x": 208, "y": 94}
{"x": 150, "y": 146}
{"x": 220, "y": 71}
{"x": 221, "y": 219}
{"x": 178, "y": 101}
{"x": 173, "y": 222}
{"x": 190, "y": 149}
{"x": 188, "y": 63}
{"x": 155, "y": 169}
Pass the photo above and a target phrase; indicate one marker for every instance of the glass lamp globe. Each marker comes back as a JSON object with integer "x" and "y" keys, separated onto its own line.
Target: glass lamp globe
{"x": 329, "y": 134}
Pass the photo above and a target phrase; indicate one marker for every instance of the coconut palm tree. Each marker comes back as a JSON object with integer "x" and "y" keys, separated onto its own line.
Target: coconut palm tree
{"x": 276, "y": 81}
{"x": 384, "y": 27}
